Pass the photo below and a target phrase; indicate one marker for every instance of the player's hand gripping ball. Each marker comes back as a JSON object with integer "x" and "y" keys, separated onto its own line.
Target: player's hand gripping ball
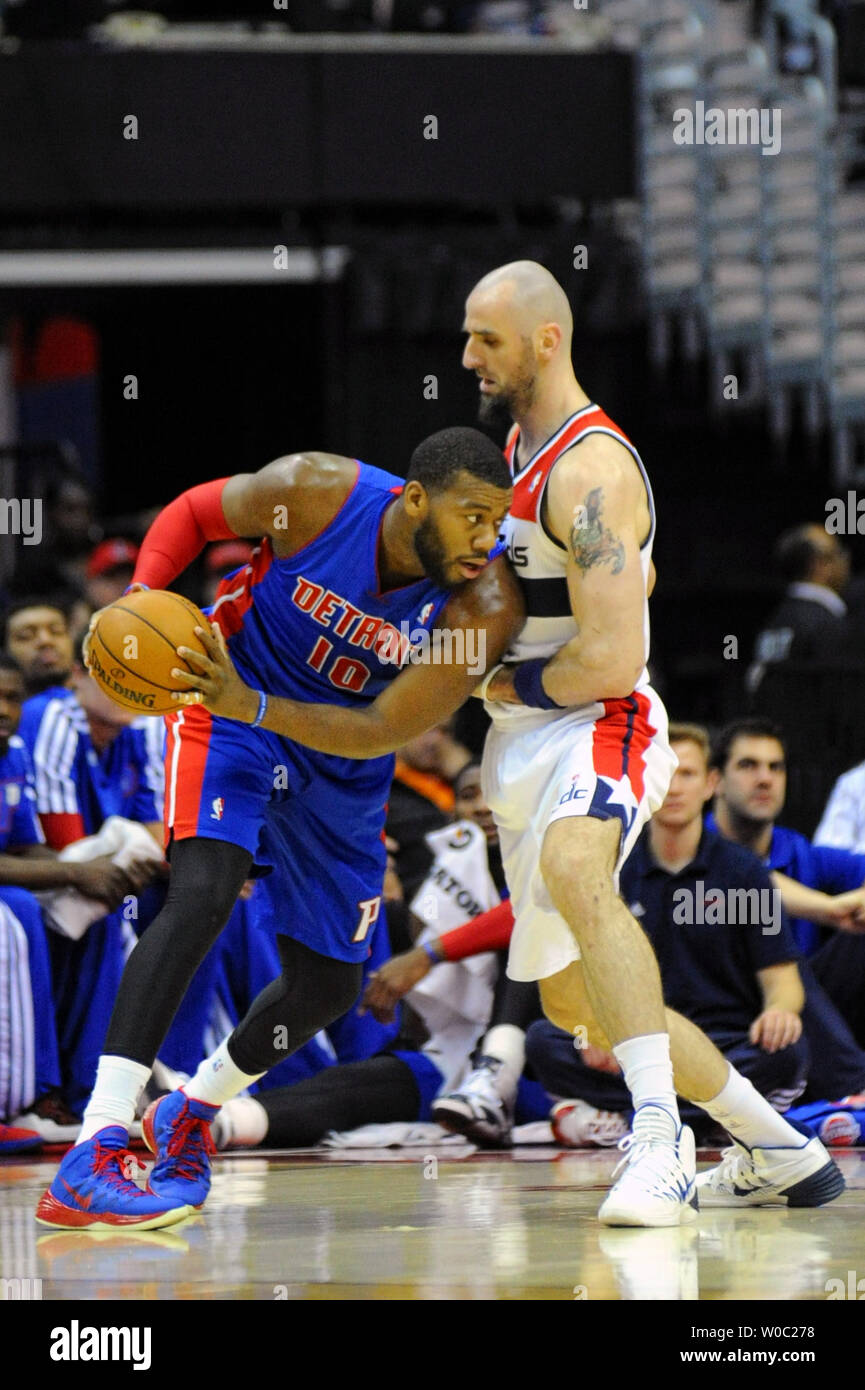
{"x": 211, "y": 679}
{"x": 131, "y": 648}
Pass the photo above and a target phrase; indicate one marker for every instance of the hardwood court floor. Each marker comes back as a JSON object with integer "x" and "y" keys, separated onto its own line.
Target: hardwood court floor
{"x": 350, "y": 1225}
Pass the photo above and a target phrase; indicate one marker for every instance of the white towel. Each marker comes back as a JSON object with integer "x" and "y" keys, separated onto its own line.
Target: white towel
{"x": 398, "y": 1135}
{"x": 69, "y": 912}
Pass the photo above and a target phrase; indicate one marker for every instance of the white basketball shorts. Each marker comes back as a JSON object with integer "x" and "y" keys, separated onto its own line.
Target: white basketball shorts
{"x": 610, "y": 759}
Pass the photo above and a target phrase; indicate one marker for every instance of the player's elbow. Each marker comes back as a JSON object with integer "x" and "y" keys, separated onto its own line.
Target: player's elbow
{"x": 618, "y": 672}
{"x": 624, "y": 681}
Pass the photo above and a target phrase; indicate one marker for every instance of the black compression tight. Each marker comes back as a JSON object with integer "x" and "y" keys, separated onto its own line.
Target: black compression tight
{"x": 514, "y": 1001}
{"x": 206, "y": 877}
{"x": 379, "y": 1090}
{"x": 311, "y": 992}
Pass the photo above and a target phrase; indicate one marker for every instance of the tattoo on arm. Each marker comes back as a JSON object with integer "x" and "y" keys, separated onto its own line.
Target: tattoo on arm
{"x": 591, "y": 542}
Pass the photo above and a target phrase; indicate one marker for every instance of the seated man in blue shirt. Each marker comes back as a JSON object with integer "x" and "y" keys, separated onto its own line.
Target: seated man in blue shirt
{"x": 30, "y": 1074}
{"x": 750, "y": 759}
{"x": 725, "y": 952}
{"x": 91, "y": 760}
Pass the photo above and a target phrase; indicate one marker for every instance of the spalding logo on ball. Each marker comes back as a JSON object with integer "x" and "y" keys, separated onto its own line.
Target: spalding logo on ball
{"x": 133, "y": 648}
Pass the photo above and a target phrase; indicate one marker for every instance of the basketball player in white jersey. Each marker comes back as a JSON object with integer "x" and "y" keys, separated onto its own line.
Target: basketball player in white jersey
{"x": 577, "y": 761}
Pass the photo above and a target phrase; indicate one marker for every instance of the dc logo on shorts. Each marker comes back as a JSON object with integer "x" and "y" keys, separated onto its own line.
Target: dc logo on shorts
{"x": 574, "y": 793}
{"x": 218, "y": 808}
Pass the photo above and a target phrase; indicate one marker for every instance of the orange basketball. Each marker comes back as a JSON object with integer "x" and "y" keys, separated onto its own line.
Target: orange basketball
{"x": 133, "y": 648}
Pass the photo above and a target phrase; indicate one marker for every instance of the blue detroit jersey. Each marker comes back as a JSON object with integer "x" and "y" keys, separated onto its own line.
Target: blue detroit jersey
{"x": 73, "y": 779}
{"x": 315, "y": 626}
{"x": 19, "y": 824}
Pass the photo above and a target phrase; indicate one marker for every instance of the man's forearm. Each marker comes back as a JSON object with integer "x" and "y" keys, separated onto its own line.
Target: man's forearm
{"x": 570, "y": 680}
{"x": 579, "y": 678}
{"x": 336, "y": 729}
{"x": 800, "y": 901}
{"x": 787, "y": 995}
{"x": 22, "y": 871}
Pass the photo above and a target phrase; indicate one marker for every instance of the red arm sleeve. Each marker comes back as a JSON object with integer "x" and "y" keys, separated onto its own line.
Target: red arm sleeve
{"x": 491, "y": 931}
{"x": 180, "y": 532}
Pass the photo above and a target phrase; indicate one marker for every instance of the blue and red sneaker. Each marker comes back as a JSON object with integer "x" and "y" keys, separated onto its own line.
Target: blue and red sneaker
{"x": 15, "y": 1140}
{"x": 92, "y": 1189}
{"x": 176, "y": 1129}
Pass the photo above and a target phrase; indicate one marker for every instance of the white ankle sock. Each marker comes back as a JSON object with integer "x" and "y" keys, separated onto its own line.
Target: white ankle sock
{"x": 507, "y": 1043}
{"x": 648, "y": 1071}
{"x": 118, "y": 1086}
{"x": 218, "y": 1079}
{"x": 247, "y": 1122}
{"x": 748, "y": 1116}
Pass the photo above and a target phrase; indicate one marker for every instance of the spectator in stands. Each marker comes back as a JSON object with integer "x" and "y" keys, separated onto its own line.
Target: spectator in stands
{"x": 421, "y": 800}
{"x": 72, "y": 528}
{"x": 91, "y": 760}
{"x": 38, "y": 637}
{"x": 59, "y": 563}
{"x": 820, "y": 887}
{"x": 30, "y": 1076}
{"x": 109, "y": 571}
{"x": 465, "y": 880}
{"x": 842, "y": 825}
{"x": 809, "y": 627}
{"x": 839, "y": 964}
{"x": 725, "y": 952}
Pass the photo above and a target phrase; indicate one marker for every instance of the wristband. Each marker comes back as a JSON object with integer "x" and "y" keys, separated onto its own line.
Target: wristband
{"x": 529, "y": 686}
{"x": 436, "y": 960}
{"x": 262, "y": 710}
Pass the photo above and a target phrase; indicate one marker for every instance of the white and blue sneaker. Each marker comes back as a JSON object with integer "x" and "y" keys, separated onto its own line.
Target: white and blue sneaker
{"x": 481, "y": 1110}
{"x": 801, "y": 1175}
{"x": 657, "y": 1186}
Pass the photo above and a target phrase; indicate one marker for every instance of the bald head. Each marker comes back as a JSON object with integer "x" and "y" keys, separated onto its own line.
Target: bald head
{"x": 809, "y": 553}
{"x": 519, "y": 327}
{"x": 529, "y": 295}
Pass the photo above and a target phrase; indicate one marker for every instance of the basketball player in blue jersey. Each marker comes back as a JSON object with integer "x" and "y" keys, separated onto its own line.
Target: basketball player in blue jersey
{"x": 356, "y": 573}
{"x": 577, "y": 761}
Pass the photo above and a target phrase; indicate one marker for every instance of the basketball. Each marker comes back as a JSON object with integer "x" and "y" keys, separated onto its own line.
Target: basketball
{"x": 133, "y": 648}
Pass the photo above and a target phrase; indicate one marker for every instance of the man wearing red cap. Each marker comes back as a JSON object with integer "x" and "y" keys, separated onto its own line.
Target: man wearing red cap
{"x": 109, "y": 570}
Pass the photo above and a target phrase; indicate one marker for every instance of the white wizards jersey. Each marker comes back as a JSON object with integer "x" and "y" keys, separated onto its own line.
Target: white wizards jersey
{"x": 540, "y": 562}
